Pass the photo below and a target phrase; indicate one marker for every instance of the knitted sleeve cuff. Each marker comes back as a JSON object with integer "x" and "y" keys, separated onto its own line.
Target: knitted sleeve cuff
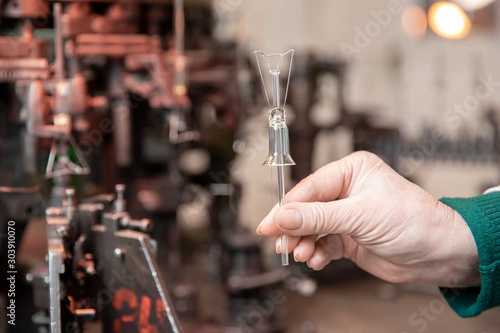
{"x": 482, "y": 215}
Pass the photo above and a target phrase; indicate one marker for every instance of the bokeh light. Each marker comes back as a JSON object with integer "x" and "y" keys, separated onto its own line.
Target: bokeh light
{"x": 414, "y": 21}
{"x": 448, "y": 20}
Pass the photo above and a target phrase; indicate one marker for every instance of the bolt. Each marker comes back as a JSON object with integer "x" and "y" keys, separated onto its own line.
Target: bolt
{"x": 119, "y": 204}
{"x": 119, "y": 253}
{"x": 85, "y": 314}
{"x": 53, "y": 212}
{"x": 70, "y": 193}
{"x": 62, "y": 232}
{"x": 144, "y": 225}
{"x": 70, "y": 204}
{"x": 120, "y": 190}
{"x": 90, "y": 270}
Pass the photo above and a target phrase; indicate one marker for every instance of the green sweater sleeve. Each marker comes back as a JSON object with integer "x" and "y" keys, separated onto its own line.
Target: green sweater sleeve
{"x": 482, "y": 215}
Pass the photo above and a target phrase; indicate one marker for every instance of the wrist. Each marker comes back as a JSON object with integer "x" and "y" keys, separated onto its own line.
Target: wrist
{"x": 464, "y": 265}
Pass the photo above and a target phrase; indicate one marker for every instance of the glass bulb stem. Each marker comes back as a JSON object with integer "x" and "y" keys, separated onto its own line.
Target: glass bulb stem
{"x": 281, "y": 195}
{"x": 276, "y": 88}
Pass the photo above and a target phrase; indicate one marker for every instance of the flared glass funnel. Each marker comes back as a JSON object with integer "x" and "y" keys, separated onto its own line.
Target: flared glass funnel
{"x": 279, "y": 146}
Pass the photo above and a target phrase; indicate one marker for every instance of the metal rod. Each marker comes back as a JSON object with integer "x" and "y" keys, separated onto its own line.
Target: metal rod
{"x": 175, "y": 326}
{"x": 179, "y": 27}
{"x": 59, "y": 41}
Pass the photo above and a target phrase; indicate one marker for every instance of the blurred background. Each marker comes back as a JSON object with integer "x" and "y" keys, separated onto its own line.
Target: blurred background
{"x": 132, "y": 137}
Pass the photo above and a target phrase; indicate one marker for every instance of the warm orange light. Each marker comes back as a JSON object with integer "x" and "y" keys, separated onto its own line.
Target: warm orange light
{"x": 448, "y": 20}
{"x": 472, "y": 5}
{"x": 414, "y": 21}
{"x": 62, "y": 120}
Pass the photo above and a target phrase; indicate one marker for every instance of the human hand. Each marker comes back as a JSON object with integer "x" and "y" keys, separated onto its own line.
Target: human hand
{"x": 361, "y": 209}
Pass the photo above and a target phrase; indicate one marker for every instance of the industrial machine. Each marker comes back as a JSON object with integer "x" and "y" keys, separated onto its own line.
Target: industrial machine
{"x": 117, "y": 117}
{"x": 104, "y": 135}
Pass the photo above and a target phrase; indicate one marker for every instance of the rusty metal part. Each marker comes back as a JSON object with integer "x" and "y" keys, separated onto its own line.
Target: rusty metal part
{"x": 56, "y": 258}
{"x": 9, "y": 189}
{"x": 105, "y": 198}
{"x": 144, "y": 225}
{"x": 119, "y": 19}
{"x": 132, "y": 254}
{"x": 18, "y": 47}
{"x": 158, "y": 85}
{"x": 15, "y": 69}
{"x": 112, "y": 45}
{"x": 122, "y": 133}
{"x": 25, "y": 9}
{"x": 106, "y": 248}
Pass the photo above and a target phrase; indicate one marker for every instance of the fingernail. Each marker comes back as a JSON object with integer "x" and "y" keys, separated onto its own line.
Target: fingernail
{"x": 278, "y": 244}
{"x": 262, "y": 223}
{"x": 295, "y": 253}
{"x": 291, "y": 217}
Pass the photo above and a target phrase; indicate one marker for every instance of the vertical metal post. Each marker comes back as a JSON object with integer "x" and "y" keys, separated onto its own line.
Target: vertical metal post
{"x": 58, "y": 40}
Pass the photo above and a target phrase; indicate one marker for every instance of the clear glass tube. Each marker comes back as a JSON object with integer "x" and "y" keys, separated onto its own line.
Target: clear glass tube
{"x": 281, "y": 195}
{"x": 279, "y": 145}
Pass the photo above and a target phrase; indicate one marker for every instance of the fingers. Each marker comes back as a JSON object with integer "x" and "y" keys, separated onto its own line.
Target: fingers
{"x": 293, "y": 241}
{"x": 327, "y": 248}
{"x": 323, "y": 185}
{"x": 331, "y": 182}
{"x": 334, "y": 180}
{"x": 305, "y": 248}
{"x": 319, "y": 252}
{"x": 268, "y": 226}
{"x": 302, "y": 219}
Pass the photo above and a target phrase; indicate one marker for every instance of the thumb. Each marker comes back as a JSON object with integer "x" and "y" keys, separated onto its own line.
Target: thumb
{"x": 308, "y": 218}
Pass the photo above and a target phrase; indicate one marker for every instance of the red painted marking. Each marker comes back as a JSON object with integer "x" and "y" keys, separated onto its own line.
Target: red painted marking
{"x": 122, "y": 296}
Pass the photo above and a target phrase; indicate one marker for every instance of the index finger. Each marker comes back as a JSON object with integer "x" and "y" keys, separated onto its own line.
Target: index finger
{"x": 326, "y": 184}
